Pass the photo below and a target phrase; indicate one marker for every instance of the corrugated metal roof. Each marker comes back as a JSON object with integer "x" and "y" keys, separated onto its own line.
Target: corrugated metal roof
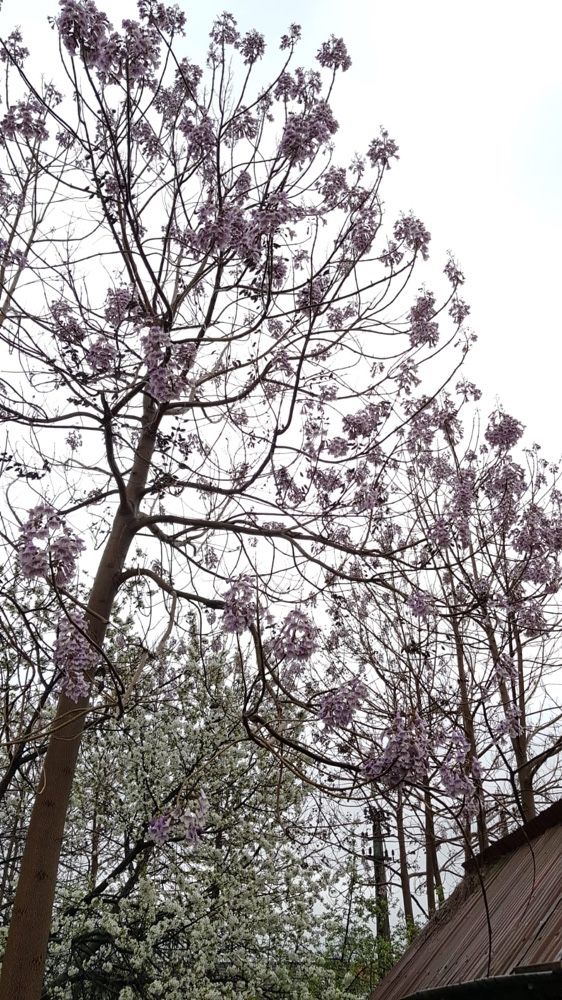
{"x": 505, "y": 914}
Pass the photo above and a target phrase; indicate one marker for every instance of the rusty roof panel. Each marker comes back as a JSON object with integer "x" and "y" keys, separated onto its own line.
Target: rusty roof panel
{"x": 506, "y": 915}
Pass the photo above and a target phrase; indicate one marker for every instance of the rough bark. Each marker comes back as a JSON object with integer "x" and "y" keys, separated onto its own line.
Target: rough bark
{"x": 468, "y": 726}
{"x": 26, "y": 948}
{"x": 404, "y": 872}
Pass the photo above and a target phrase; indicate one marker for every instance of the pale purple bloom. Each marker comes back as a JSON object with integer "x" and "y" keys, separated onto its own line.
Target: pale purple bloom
{"x": 407, "y": 376}
{"x": 304, "y": 133}
{"x": 338, "y": 707}
{"x": 392, "y": 256}
{"x": 440, "y": 533}
{"x": 457, "y": 774}
{"x": 413, "y": 233}
{"x": 83, "y": 29}
{"x": 334, "y": 55}
{"x": 458, "y": 311}
{"x": 453, "y": 272}
{"x": 252, "y": 47}
{"x": 423, "y": 328}
{"x": 13, "y": 49}
{"x": 119, "y": 304}
{"x": 25, "y": 119}
{"x": 141, "y": 52}
{"x": 225, "y": 30}
{"x": 10, "y": 257}
{"x": 159, "y": 829}
{"x": 297, "y": 639}
{"x": 420, "y": 604}
{"x": 68, "y": 329}
{"x": 59, "y": 556}
{"x": 41, "y": 521}
{"x": 405, "y": 756}
{"x": 101, "y": 355}
{"x": 239, "y": 605}
{"x": 531, "y": 619}
{"x": 382, "y": 150}
{"x": 180, "y": 821}
{"x": 170, "y": 20}
{"x": 468, "y": 390}
{"x": 367, "y": 421}
{"x": 287, "y": 41}
{"x": 333, "y": 186}
{"x": 74, "y": 656}
{"x": 510, "y": 724}
{"x": 74, "y": 440}
{"x": 33, "y": 561}
{"x": 503, "y": 431}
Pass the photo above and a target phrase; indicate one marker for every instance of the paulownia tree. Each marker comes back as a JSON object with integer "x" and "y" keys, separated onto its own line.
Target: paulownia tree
{"x": 212, "y": 351}
{"x": 459, "y": 663}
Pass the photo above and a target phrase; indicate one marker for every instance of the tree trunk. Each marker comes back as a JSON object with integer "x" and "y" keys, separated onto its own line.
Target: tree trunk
{"x": 432, "y": 873}
{"x": 381, "y": 882}
{"x": 468, "y": 726}
{"x": 519, "y": 744}
{"x": 404, "y": 872}
{"x": 26, "y": 948}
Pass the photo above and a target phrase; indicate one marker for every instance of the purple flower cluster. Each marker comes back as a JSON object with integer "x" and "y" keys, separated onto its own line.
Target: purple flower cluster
{"x": 382, "y": 150}
{"x": 225, "y": 30}
{"x": 83, "y": 29}
{"x": 288, "y": 41}
{"x": 75, "y": 656}
{"x": 367, "y": 421}
{"x": 531, "y": 618}
{"x": 187, "y": 823}
{"x": 74, "y": 440}
{"x": 505, "y": 668}
{"x": 68, "y": 330}
{"x": 405, "y": 756}
{"x": 333, "y": 54}
{"x": 510, "y": 724}
{"x": 13, "y": 49}
{"x": 407, "y": 377}
{"x": 10, "y": 257}
{"x": 157, "y": 351}
{"x": 413, "y": 233}
{"x": 338, "y": 707}
{"x": 132, "y": 56}
{"x": 440, "y": 533}
{"x": 313, "y": 294}
{"x": 57, "y": 559}
{"x": 453, "y": 272}
{"x": 458, "y": 311}
{"x": 297, "y": 639}
{"x": 304, "y": 133}
{"x": 101, "y": 355}
{"x": 503, "y": 431}
{"x": 169, "y": 20}
{"x": 333, "y": 186}
{"x": 26, "y": 120}
{"x": 252, "y": 47}
{"x": 239, "y": 605}
{"x": 140, "y": 52}
{"x": 420, "y": 604}
{"x": 457, "y": 774}
{"x": 120, "y": 303}
{"x": 424, "y": 331}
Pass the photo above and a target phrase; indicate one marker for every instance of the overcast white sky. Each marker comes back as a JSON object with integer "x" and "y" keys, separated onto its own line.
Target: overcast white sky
{"x": 472, "y": 92}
